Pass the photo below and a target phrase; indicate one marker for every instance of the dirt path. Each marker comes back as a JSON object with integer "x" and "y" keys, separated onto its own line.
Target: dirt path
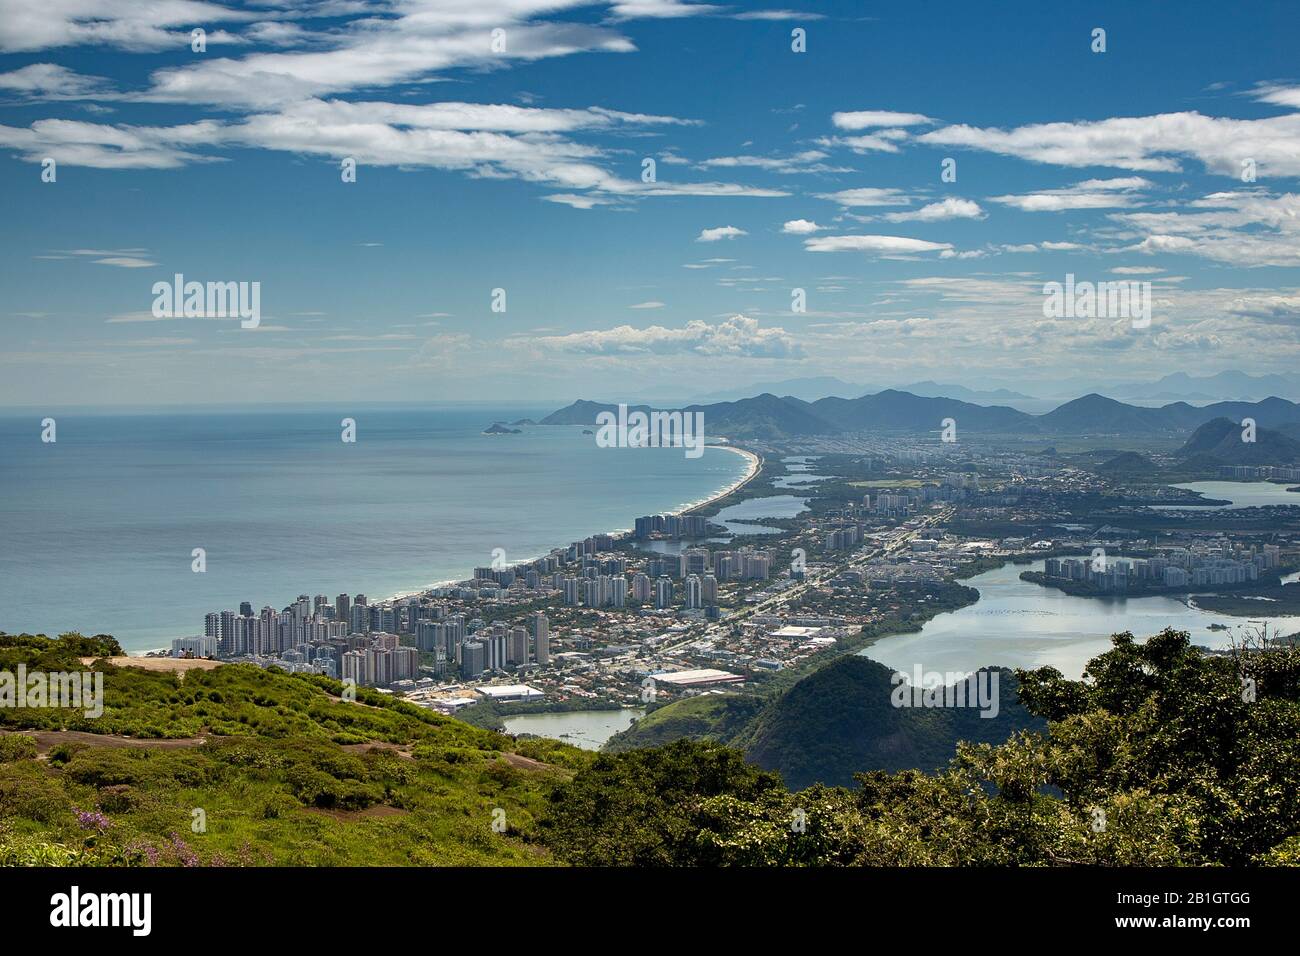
{"x": 525, "y": 763}
{"x": 47, "y": 740}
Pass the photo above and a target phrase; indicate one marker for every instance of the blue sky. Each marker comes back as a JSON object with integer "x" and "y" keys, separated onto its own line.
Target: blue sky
{"x": 522, "y": 170}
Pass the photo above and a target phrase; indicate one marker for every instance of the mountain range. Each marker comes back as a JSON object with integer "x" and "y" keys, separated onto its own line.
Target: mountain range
{"x": 1179, "y": 386}
{"x": 1230, "y": 385}
{"x": 770, "y": 417}
{"x": 811, "y": 389}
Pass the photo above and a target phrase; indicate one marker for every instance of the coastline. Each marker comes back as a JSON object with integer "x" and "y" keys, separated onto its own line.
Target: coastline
{"x": 752, "y": 471}
{"x": 755, "y": 467}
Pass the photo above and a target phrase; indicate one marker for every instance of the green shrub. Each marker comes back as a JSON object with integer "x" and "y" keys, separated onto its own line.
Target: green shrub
{"x": 17, "y": 747}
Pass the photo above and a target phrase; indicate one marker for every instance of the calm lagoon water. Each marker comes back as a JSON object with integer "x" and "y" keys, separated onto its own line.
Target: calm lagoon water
{"x": 744, "y": 517}
{"x": 1019, "y": 624}
{"x": 1242, "y": 494}
{"x": 97, "y": 530}
{"x": 588, "y": 729}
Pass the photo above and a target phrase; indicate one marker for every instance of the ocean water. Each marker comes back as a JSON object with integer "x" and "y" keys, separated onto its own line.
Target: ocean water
{"x": 97, "y": 529}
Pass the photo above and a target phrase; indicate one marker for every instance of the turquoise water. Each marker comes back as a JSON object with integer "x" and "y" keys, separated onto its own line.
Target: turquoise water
{"x": 97, "y": 530}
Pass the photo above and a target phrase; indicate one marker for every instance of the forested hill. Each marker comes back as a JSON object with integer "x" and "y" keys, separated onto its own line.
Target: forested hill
{"x": 841, "y": 720}
{"x": 837, "y": 721}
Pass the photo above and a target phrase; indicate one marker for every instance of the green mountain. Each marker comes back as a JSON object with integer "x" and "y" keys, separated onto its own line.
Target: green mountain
{"x": 1128, "y": 464}
{"x": 1155, "y": 760}
{"x": 764, "y": 417}
{"x": 843, "y": 719}
{"x": 1221, "y": 441}
{"x": 1096, "y": 414}
{"x": 903, "y": 411}
{"x": 838, "y": 721}
{"x": 717, "y": 717}
{"x": 768, "y": 416}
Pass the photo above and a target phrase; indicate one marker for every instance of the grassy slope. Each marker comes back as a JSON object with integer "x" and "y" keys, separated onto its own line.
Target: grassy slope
{"x": 283, "y": 770}
{"x": 706, "y": 717}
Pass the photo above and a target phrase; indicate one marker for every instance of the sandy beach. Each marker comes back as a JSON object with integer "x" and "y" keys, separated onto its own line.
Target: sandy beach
{"x": 755, "y": 466}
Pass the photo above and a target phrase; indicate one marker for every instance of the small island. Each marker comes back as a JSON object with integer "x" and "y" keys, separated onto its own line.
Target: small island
{"x": 497, "y": 428}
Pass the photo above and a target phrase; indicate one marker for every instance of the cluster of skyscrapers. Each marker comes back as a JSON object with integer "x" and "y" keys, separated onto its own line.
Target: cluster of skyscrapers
{"x": 671, "y": 526}
{"x": 350, "y": 638}
{"x": 1260, "y": 472}
{"x": 1174, "y": 568}
{"x": 604, "y": 584}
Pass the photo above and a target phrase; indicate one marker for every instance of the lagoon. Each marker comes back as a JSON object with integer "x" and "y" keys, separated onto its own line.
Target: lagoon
{"x": 1241, "y": 494}
{"x": 588, "y": 729}
{"x": 1019, "y": 624}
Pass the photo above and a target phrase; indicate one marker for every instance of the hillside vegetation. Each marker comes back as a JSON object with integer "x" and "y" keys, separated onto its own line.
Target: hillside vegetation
{"x": 240, "y": 765}
{"x": 1161, "y": 755}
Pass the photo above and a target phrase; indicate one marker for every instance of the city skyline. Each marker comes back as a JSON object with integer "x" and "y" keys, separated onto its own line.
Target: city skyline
{"x": 516, "y": 162}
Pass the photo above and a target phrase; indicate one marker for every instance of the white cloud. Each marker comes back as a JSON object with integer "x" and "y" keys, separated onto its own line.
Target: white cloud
{"x": 881, "y": 245}
{"x": 867, "y": 119}
{"x": 578, "y": 200}
{"x": 720, "y": 232}
{"x": 1247, "y": 228}
{"x": 738, "y": 336}
{"x": 125, "y": 262}
{"x": 1269, "y": 308}
{"x": 1288, "y": 96}
{"x": 662, "y": 9}
{"x": 950, "y": 208}
{"x": 652, "y": 304}
{"x": 867, "y": 196}
{"x": 801, "y": 227}
{"x": 77, "y": 143}
{"x": 135, "y": 25}
{"x": 1144, "y": 143}
{"x": 778, "y": 15}
{"x": 427, "y": 38}
{"x": 51, "y": 81}
{"x": 1090, "y": 194}
{"x": 808, "y": 161}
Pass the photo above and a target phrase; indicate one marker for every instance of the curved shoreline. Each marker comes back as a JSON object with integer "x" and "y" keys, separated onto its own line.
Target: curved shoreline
{"x": 755, "y": 467}
{"x": 753, "y": 471}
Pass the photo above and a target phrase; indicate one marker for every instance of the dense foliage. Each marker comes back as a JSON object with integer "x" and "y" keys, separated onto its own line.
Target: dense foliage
{"x": 238, "y": 766}
{"x": 1161, "y": 755}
